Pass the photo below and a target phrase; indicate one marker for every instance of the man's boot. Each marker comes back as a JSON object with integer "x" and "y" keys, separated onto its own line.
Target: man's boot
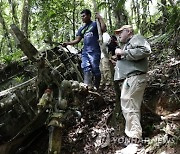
{"x": 97, "y": 80}
{"x": 88, "y": 78}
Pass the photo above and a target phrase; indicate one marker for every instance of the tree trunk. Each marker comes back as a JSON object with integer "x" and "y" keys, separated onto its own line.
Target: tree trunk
{"x": 14, "y": 12}
{"x": 138, "y": 13}
{"x": 5, "y": 30}
{"x": 74, "y": 11}
{"x": 165, "y": 15}
{"x": 25, "y": 17}
{"x": 1, "y": 44}
{"x": 143, "y": 27}
{"x": 109, "y": 15}
{"x": 49, "y": 34}
{"x": 119, "y": 12}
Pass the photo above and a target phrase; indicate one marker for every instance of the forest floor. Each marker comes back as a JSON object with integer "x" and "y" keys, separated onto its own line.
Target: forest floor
{"x": 160, "y": 118}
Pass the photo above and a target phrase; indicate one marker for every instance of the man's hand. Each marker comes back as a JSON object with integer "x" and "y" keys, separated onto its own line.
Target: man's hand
{"x": 64, "y": 44}
{"x": 97, "y": 15}
{"x": 113, "y": 60}
{"x": 119, "y": 52}
{"x": 101, "y": 21}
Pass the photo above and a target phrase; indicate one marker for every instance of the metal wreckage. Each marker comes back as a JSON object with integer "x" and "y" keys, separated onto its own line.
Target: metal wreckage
{"x": 50, "y": 93}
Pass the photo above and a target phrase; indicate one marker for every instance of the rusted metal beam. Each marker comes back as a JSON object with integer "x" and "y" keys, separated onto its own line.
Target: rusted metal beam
{"x": 29, "y": 50}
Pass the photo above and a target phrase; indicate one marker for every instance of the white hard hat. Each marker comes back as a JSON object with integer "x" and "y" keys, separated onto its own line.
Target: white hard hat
{"x": 106, "y": 38}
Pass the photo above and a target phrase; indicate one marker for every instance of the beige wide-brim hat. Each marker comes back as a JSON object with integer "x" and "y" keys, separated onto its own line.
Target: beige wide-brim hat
{"x": 129, "y": 27}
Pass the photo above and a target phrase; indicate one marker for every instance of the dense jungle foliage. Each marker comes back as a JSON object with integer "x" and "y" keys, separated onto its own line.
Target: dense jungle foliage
{"x": 55, "y": 21}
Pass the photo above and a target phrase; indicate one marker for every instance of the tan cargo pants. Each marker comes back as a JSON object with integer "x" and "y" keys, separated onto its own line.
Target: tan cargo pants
{"x": 131, "y": 98}
{"x": 105, "y": 72}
